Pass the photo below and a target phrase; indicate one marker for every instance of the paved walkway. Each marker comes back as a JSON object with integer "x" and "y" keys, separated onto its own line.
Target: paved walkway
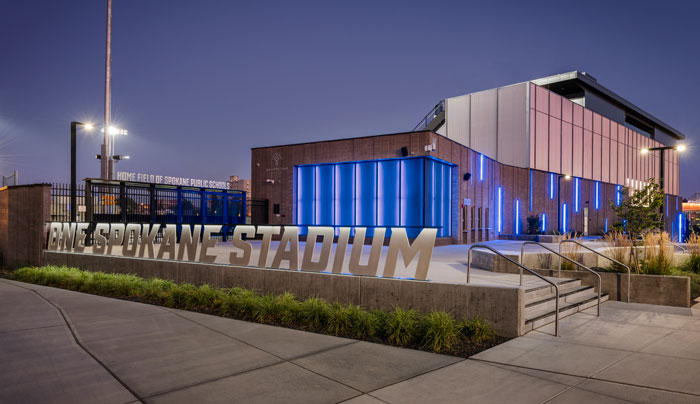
{"x": 58, "y": 346}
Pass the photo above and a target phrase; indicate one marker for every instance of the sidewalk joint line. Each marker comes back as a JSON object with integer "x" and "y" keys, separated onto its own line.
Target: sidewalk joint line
{"x": 80, "y": 343}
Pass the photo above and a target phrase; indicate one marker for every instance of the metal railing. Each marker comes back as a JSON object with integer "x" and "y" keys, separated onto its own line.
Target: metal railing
{"x": 10, "y": 179}
{"x": 556, "y": 287}
{"x": 437, "y": 110}
{"x": 629, "y": 272}
{"x": 600, "y": 279}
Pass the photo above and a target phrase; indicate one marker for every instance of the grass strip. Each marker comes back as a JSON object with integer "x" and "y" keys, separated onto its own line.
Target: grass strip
{"x": 436, "y": 331}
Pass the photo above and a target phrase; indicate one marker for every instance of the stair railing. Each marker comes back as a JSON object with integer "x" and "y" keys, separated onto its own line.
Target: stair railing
{"x": 600, "y": 280}
{"x": 629, "y": 272}
{"x": 556, "y": 288}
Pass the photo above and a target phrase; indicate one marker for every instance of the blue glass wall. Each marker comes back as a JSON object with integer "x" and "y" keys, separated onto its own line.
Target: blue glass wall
{"x": 411, "y": 192}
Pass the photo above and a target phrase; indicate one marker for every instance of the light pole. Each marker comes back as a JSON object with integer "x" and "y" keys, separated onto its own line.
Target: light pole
{"x": 73, "y": 196}
{"x": 662, "y": 172}
{"x": 559, "y": 177}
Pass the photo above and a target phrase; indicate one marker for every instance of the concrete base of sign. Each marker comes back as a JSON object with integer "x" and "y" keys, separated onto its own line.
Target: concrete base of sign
{"x": 502, "y": 307}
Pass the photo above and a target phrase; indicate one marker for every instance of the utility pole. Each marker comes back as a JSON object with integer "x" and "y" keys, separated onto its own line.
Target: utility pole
{"x": 106, "y": 160}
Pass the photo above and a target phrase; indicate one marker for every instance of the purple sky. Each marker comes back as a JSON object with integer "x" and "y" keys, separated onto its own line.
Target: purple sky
{"x": 198, "y": 83}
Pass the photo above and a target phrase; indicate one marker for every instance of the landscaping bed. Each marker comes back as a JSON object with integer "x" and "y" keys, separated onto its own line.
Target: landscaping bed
{"x": 436, "y": 331}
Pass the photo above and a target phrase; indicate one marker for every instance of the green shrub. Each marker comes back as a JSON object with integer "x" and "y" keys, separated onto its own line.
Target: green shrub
{"x": 440, "y": 331}
{"x": 269, "y": 310}
{"x": 316, "y": 312}
{"x": 364, "y": 323}
{"x": 339, "y": 320}
{"x": 291, "y": 310}
{"x": 692, "y": 264}
{"x": 477, "y": 330}
{"x": 401, "y": 326}
{"x": 436, "y": 331}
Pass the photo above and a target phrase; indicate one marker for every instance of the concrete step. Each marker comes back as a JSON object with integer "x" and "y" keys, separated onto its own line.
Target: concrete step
{"x": 547, "y": 290}
{"x": 568, "y": 309}
{"x": 547, "y": 303}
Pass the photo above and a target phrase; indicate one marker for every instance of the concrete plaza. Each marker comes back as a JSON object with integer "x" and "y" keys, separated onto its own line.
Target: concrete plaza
{"x": 59, "y": 346}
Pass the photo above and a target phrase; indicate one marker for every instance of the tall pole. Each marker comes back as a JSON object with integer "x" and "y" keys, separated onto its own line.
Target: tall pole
{"x": 73, "y": 198}
{"x": 106, "y": 161}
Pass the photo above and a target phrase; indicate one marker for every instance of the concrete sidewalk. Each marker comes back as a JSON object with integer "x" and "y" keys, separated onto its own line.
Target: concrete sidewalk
{"x": 60, "y": 346}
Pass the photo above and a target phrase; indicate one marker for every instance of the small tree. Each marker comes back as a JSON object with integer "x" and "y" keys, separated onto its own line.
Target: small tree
{"x": 534, "y": 224}
{"x": 639, "y": 213}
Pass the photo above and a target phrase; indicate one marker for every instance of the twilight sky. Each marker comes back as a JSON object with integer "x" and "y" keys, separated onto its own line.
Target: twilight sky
{"x": 199, "y": 82}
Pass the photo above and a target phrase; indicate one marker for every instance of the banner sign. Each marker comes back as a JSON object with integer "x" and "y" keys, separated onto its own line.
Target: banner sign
{"x": 166, "y": 180}
{"x": 196, "y": 244}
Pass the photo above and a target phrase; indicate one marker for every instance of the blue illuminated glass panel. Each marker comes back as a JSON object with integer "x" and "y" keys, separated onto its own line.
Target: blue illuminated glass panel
{"x": 517, "y": 216}
{"x": 323, "y": 195}
{"x": 551, "y": 186}
{"x": 481, "y": 167}
{"x": 530, "y": 194}
{"x": 544, "y": 222}
{"x": 388, "y": 193}
{"x": 305, "y": 195}
{"x": 366, "y": 194}
{"x": 563, "y": 218}
{"x": 412, "y": 185}
{"x": 577, "y": 186}
{"x": 499, "y": 213}
{"x": 618, "y": 195}
{"x": 410, "y": 192}
{"x": 597, "y": 195}
{"x": 344, "y": 195}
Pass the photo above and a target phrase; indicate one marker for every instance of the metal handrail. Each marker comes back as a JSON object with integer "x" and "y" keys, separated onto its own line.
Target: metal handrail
{"x": 680, "y": 247}
{"x": 629, "y": 273}
{"x": 600, "y": 279}
{"x": 556, "y": 288}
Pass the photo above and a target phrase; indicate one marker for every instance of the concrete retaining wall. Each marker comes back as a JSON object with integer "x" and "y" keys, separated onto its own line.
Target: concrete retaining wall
{"x": 501, "y": 307}
{"x": 651, "y": 289}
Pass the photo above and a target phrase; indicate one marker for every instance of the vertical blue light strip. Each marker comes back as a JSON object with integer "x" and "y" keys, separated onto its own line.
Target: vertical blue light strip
{"x": 576, "y": 187}
{"x": 551, "y": 186}
{"x": 680, "y": 227}
{"x": 667, "y": 205}
{"x": 481, "y": 167}
{"x": 530, "y": 194}
{"x": 597, "y": 195}
{"x": 606, "y": 224}
{"x": 563, "y": 214}
{"x": 544, "y": 222}
{"x": 500, "y": 210}
{"x": 618, "y": 195}
{"x": 517, "y": 216}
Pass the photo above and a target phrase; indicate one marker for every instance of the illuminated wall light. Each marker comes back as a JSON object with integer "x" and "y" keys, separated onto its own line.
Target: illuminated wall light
{"x": 576, "y": 188}
{"x": 618, "y": 195}
{"x": 517, "y": 216}
{"x": 563, "y": 216}
{"x": 530, "y": 195}
{"x": 667, "y": 205}
{"x": 597, "y": 195}
{"x": 606, "y": 224}
{"x": 544, "y": 222}
{"x": 481, "y": 167}
{"x": 680, "y": 227}
{"x": 551, "y": 186}
{"x": 499, "y": 212}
